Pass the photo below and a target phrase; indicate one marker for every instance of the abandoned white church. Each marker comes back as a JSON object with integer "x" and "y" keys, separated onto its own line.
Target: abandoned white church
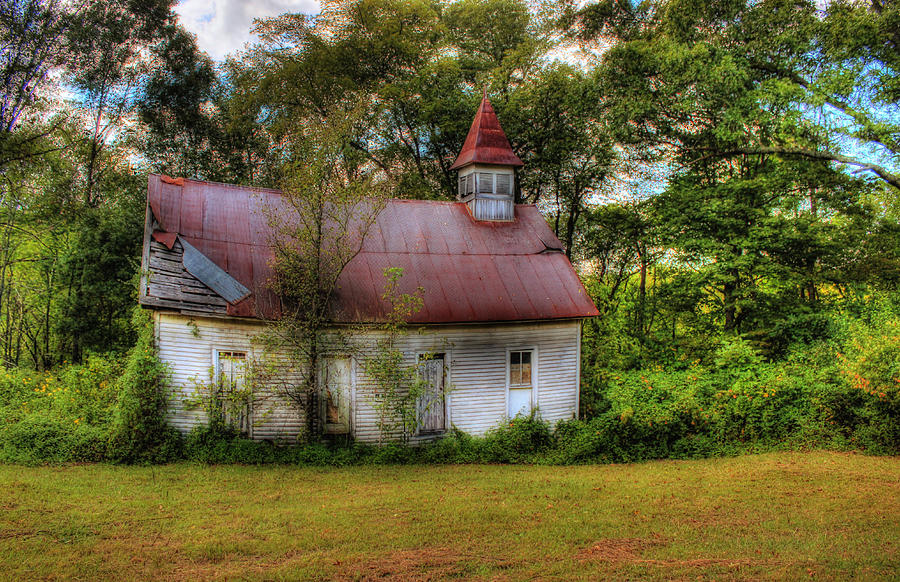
{"x": 502, "y": 305}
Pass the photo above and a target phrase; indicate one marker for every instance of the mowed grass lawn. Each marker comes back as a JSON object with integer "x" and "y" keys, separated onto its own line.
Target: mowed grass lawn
{"x": 785, "y": 516}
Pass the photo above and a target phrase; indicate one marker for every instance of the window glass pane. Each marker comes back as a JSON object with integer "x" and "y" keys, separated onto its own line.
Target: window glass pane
{"x": 485, "y": 183}
{"x": 526, "y": 373}
{"x": 520, "y": 368}
{"x": 503, "y": 183}
{"x": 232, "y": 369}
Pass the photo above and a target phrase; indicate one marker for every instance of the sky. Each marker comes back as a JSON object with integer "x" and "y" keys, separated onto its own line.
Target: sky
{"x": 223, "y": 26}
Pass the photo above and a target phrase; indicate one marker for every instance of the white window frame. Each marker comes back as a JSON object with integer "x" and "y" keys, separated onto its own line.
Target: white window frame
{"x": 448, "y": 421}
{"x": 534, "y": 376}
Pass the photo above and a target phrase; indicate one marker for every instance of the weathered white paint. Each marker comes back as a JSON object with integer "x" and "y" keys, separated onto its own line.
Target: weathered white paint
{"x": 189, "y": 347}
{"x": 486, "y": 200}
{"x": 476, "y": 375}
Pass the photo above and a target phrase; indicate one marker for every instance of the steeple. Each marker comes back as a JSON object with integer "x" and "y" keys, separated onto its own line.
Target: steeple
{"x": 486, "y": 142}
{"x": 486, "y": 167}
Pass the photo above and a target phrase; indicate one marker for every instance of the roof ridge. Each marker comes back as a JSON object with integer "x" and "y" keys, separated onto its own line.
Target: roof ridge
{"x": 181, "y": 181}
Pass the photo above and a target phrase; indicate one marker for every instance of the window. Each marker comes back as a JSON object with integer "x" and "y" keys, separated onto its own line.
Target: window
{"x": 470, "y": 184}
{"x": 503, "y": 183}
{"x": 232, "y": 392}
{"x": 485, "y": 183}
{"x": 462, "y": 185}
{"x": 520, "y": 369}
{"x": 520, "y": 393}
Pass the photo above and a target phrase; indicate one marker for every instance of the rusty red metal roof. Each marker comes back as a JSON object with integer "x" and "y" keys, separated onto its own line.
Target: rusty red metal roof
{"x": 470, "y": 271}
{"x": 486, "y": 142}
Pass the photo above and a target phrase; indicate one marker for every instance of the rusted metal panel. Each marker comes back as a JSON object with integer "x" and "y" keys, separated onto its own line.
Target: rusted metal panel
{"x": 486, "y": 143}
{"x": 470, "y": 271}
{"x": 240, "y": 262}
{"x": 191, "y": 211}
{"x": 166, "y": 238}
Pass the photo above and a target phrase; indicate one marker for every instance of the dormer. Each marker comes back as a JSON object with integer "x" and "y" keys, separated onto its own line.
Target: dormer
{"x": 487, "y": 168}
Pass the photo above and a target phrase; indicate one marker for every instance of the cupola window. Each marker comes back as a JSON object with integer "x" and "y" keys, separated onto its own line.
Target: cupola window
{"x": 503, "y": 182}
{"x": 485, "y": 183}
{"x": 466, "y": 185}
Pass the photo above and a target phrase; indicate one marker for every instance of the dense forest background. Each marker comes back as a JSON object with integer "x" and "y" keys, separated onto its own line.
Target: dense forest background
{"x": 725, "y": 175}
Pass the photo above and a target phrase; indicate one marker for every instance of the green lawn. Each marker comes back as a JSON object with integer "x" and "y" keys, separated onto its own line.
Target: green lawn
{"x": 777, "y": 516}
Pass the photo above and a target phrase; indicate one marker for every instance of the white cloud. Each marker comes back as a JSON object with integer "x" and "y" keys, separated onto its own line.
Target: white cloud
{"x": 223, "y": 26}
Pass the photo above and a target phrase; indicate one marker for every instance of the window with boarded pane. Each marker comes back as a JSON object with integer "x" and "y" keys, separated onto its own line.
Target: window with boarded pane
{"x": 503, "y": 183}
{"x": 431, "y": 406}
{"x": 231, "y": 376}
{"x": 470, "y": 184}
{"x": 485, "y": 183}
{"x": 462, "y": 185}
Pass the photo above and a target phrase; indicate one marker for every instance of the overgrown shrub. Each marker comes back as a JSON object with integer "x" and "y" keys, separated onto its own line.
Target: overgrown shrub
{"x": 871, "y": 367}
{"x": 57, "y": 417}
{"x": 42, "y": 438}
{"x": 140, "y": 433}
{"x": 517, "y": 439}
{"x": 839, "y": 393}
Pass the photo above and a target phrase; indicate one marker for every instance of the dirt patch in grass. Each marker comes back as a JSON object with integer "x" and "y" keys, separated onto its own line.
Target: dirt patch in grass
{"x": 619, "y": 549}
{"x": 631, "y": 550}
{"x": 422, "y": 565}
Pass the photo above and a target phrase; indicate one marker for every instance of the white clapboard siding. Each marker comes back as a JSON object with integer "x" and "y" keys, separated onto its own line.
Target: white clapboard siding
{"x": 188, "y": 346}
{"x": 476, "y": 360}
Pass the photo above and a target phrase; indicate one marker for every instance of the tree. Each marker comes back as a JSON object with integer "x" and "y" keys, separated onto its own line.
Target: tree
{"x": 31, "y": 45}
{"x": 565, "y": 145}
{"x": 418, "y": 66}
{"x": 826, "y": 80}
{"x": 330, "y": 198}
{"x": 753, "y": 204}
{"x": 108, "y": 41}
{"x": 399, "y": 385}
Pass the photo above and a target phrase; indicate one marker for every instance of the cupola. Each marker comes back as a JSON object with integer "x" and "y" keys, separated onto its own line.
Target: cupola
{"x": 487, "y": 168}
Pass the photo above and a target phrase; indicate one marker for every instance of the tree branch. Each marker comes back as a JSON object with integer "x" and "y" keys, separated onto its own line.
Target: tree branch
{"x": 880, "y": 171}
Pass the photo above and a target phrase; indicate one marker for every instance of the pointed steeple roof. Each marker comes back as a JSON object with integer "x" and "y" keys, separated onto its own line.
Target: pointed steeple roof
{"x": 486, "y": 142}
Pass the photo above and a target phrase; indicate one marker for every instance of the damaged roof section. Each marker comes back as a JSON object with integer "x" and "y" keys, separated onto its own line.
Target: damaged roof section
{"x": 471, "y": 271}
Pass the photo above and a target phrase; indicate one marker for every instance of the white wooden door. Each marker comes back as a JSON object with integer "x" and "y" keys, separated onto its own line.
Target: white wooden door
{"x": 520, "y": 392}
{"x": 335, "y": 379}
